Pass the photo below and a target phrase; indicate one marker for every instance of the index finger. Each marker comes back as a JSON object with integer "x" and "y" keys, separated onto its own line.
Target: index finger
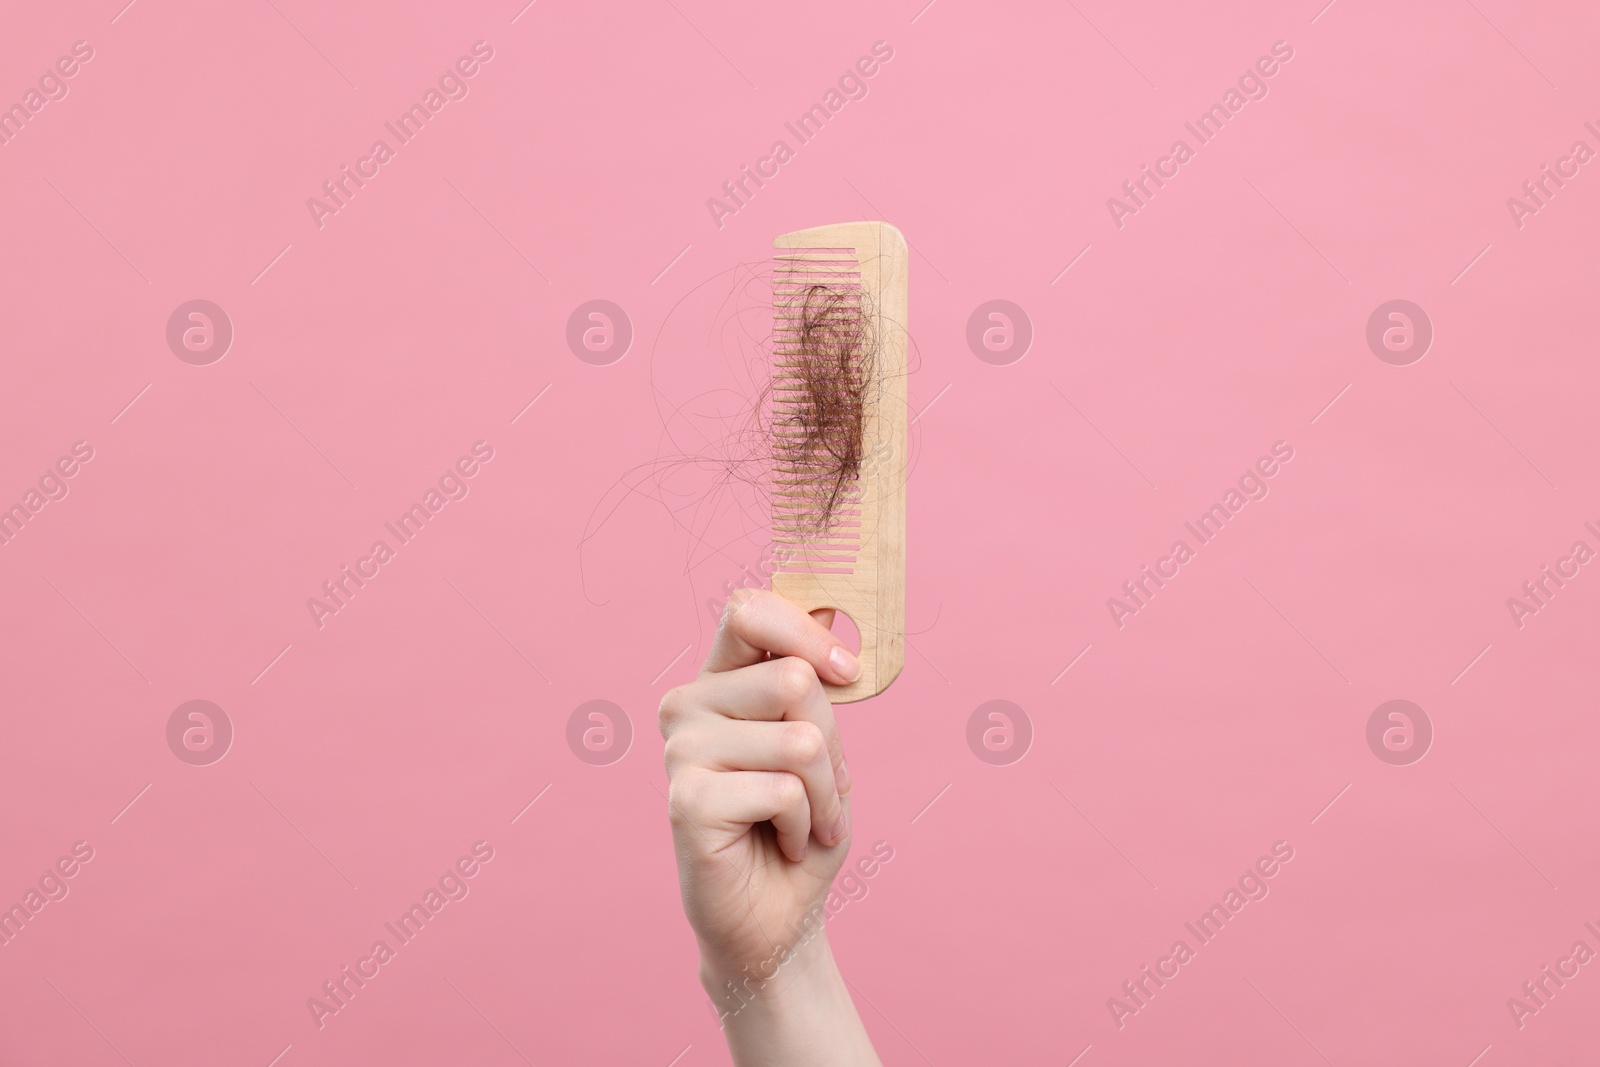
{"x": 758, "y": 622}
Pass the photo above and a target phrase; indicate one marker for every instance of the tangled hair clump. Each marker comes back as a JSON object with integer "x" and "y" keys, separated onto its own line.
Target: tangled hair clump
{"x": 824, "y": 362}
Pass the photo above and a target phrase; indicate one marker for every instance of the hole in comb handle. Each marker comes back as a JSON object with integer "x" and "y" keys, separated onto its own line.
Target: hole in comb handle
{"x": 843, "y": 626}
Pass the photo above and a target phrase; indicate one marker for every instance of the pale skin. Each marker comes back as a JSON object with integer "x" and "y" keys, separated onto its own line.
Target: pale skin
{"x": 760, "y": 813}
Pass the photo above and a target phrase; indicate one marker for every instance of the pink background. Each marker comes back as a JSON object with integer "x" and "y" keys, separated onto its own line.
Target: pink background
{"x": 370, "y": 353}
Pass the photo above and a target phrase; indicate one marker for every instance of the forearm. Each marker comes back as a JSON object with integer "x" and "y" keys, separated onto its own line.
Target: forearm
{"x": 802, "y": 1016}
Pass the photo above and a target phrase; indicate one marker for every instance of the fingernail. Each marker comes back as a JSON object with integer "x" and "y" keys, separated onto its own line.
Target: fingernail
{"x": 802, "y": 855}
{"x": 840, "y": 828}
{"x": 842, "y": 779}
{"x": 844, "y": 664}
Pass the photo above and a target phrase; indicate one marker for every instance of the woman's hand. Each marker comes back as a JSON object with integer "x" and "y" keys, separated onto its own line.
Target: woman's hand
{"x": 761, "y": 823}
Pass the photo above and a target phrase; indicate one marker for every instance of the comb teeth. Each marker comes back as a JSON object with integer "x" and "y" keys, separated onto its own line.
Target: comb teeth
{"x": 811, "y": 536}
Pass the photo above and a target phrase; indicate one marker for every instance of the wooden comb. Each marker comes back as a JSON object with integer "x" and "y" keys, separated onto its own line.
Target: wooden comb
{"x": 840, "y": 534}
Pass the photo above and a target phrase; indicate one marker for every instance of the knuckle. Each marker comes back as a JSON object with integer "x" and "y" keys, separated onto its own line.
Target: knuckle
{"x": 671, "y": 711}
{"x": 684, "y": 797}
{"x": 796, "y": 679}
{"x": 667, "y": 711}
{"x": 803, "y": 743}
{"x": 673, "y": 754}
{"x": 788, "y": 791}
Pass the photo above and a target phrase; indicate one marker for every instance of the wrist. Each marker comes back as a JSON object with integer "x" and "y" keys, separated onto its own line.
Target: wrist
{"x": 791, "y": 1010}
{"x": 804, "y": 966}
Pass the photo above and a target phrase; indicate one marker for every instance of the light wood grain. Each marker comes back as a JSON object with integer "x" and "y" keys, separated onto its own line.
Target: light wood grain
{"x": 874, "y": 594}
